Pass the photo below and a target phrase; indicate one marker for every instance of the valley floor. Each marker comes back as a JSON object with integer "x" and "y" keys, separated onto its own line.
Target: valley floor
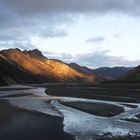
{"x": 67, "y": 112}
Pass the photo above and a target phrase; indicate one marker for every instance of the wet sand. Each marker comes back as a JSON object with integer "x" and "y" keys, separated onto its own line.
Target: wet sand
{"x": 99, "y": 109}
{"x": 20, "y": 124}
{"x": 24, "y": 124}
{"x": 130, "y": 105}
{"x": 9, "y": 89}
{"x": 118, "y": 138}
{"x": 138, "y": 116}
{"x": 110, "y": 92}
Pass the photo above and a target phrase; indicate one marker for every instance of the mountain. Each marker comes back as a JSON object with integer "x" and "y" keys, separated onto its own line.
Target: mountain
{"x": 11, "y": 73}
{"x": 103, "y": 73}
{"x": 133, "y": 76}
{"x": 18, "y": 67}
{"x": 113, "y": 73}
{"x": 81, "y": 68}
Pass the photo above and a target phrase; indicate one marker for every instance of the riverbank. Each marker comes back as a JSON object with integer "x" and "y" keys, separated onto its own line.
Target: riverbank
{"x": 109, "y": 92}
{"x": 20, "y": 124}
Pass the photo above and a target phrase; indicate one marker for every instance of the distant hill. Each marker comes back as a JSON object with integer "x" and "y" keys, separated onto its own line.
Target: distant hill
{"x": 79, "y": 68}
{"x": 18, "y": 67}
{"x": 113, "y": 73}
{"x": 103, "y": 73}
{"x": 133, "y": 76}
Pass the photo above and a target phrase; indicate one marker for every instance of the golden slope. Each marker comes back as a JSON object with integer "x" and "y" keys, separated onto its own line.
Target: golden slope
{"x": 36, "y": 63}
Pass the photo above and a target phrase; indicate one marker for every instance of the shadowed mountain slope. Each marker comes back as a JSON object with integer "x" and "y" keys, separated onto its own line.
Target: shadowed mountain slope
{"x": 11, "y": 73}
{"x": 103, "y": 73}
{"x": 113, "y": 73}
{"x": 133, "y": 76}
{"x": 81, "y": 68}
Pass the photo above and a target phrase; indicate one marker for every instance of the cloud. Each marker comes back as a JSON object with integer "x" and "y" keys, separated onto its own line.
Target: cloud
{"x": 60, "y": 56}
{"x": 24, "y": 45}
{"x": 23, "y": 12}
{"x": 52, "y": 32}
{"x": 102, "y": 59}
{"x": 95, "y": 39}
{"x": 29, "y": 7}
{"x": 95, "y": 59}
{"x": 29, "y": 16}
{"x": 22, "y": 19}
{"x": 116, "y": 36}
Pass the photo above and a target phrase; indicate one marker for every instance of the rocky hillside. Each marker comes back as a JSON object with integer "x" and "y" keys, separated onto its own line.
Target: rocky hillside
{"x": 103, "y": 73}
{"x": 133, "y": 76}
{"x": 112, "y": 73}
{"x": 81, "y": 68}
{"x": 18, "y": 67}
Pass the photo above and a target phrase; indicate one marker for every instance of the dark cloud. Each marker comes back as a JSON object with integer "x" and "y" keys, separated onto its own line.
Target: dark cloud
{"x": 95, "y": 39}
{"x": 22, "y": 12}
{"x": 30, "y": 15}
{"x": 6, "y": 15}
{"x": 29, "y": 7}
{"x": 13, "y": 35}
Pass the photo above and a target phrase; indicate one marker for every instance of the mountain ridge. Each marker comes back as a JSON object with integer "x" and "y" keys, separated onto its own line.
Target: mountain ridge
{"x": 32, "y": 67}
{"x": 38, "y": 66}
{"x": 103, "y": 73}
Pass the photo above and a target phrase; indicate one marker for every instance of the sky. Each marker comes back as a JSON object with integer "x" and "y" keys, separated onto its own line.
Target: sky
{"x": 93, "y": 33}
